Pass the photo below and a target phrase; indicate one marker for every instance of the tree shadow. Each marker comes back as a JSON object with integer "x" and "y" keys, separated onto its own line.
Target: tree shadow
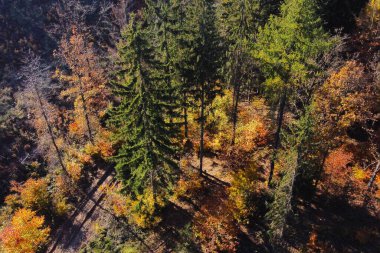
{"x": 335, "y": 224}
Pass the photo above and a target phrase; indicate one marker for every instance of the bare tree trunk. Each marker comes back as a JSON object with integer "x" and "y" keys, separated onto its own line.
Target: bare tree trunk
{"x": 235, "y": 111}
{"x": 153, "y": 188}
{"x": 50, "y": 131}
{"x": 373, "y": 177}
{"x": 280, "y": 118}
{"x": 202, "y": 130}
{"x": 185, "y": 115}
{"x": 81, "y": 91}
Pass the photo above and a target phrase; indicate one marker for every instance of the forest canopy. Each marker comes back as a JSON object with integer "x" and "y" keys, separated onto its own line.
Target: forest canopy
{"x": 189, "y": 126}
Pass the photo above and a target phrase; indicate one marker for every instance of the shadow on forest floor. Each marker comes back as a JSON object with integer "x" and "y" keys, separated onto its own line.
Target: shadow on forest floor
{"x": 330, "y": 224}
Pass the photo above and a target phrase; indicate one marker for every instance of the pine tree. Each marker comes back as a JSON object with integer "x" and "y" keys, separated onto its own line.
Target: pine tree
{"x": 287, "y": 48}
{"x": 146, "y": 157}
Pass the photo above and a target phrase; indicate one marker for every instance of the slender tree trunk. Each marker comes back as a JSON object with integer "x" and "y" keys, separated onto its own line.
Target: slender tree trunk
{"x": 81, "y": 91}
{"x": 202, "y": 130}
{"x": 319, "y": 175}
{"x": 373, "y": 177}
{"x": 50, "y": 131}
{"x": 235, "y": 111}
{"x": 367, "y": 195}
{"x": 280, "y": 118}
{"x": 185, "y": 115}
{"x": 153, "y": 188}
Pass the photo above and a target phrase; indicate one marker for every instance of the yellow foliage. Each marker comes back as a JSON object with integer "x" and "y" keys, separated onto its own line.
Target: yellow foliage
{"x": 371, "y": 13}
{"x": 32, "y": 194}
{"x": 61, "y": 206}
{"x": 141, "y": 210}
{"x": 74, "y": 169}
{"x": 251, "y": 134}
{"x": 242, "y": 191}
{"x": 344, "y": 99}
{"x": 13, "y": 201}
{"x": 359, "y": 173}
{"x": 218, "y": 122}
{"x": 189, "y": 185}
{"x": 102, "y": 146}
{"x": 91, "y": 149}
{"x": 25, "y": 234}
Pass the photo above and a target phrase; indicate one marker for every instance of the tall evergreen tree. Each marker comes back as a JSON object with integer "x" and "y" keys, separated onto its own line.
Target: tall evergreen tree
{"x": 162, "y": 24}
{"x": 287, "y": 47}
{"x": 146, "y": 157}
{"x": 184, "y": 55}
{"x": 296, "y": 158}
{"x": 208, "y": 52}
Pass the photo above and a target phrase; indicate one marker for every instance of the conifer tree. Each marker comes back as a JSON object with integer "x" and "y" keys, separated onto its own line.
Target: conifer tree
{"x": 295, "y": 160}
{"x": 208, "y": 52}
{"x": 146, "y": 157}
{"x": 162, "y": 19}
{"x": 184, "y": 56}
{"x": 287, "y": 48}
{"x": 240, "y": 21}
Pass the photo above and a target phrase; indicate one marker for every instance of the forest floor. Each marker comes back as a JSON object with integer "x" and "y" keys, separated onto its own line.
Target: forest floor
{"x": 323, "y": 224}
{"x": 78, "y": 229}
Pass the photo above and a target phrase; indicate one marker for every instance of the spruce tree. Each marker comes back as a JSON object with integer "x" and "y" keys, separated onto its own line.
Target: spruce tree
{"x": 208, "y": 52}
{"x": 184, "y": 56}
{"x": 162, "y": 25}
{"x": 146, "y": 157}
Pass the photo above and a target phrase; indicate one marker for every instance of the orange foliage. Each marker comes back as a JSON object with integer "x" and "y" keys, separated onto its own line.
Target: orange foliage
{"x": 336, "y": 167}
{"x": 190, "y": 184}
{"x": 216, "y": 233}
{"x": 344, "y": 99}
{"x": 25, "y": 234}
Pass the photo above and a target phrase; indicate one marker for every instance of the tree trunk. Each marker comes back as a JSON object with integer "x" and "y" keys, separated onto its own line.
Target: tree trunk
{"x": 202, "y": 130}
{"x": 185, "y": 115}
{"x": 280, "y": 118}
{"x": 235, "y": 111}
{"x": 373, "y": 177}
{"x": 85, "y": 112}
{"x": 50, "y": 131}
{"x": 153, "y": 188}
{"x": 319, "y": 175}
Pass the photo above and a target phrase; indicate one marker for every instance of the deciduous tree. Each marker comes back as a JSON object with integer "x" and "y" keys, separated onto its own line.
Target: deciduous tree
{"x": 25, "y": 234}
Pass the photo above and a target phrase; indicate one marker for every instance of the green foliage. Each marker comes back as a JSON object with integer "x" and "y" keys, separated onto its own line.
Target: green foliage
{"x": 282, "y": 202}
{"x": 147, "y": 142}
{"x": 297, "y": 165}
{"x": 106, "y": 243}
{"x": 288, "y": 45}
{"x": 186, "y": 242}
{"x": 208, "y": 47}
{"x": 240, "y": 21}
